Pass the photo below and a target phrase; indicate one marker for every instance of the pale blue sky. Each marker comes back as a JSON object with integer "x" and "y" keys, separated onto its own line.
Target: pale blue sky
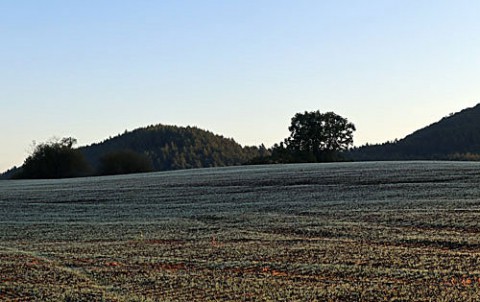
{"x": 91, "y": 69}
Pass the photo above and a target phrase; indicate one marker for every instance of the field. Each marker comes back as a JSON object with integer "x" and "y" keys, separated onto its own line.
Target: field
{"x": 399, "y": 231}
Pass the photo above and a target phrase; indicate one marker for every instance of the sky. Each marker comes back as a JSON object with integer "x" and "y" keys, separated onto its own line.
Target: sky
{"x": 91, "y": 69}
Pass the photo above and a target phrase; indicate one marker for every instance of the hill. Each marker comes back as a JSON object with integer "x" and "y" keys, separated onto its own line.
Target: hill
{"x": 455, "y": 137}
{"x": 172, "y": 148}
{"x": 9, "y": 173}
{"x": 162, "y": 148}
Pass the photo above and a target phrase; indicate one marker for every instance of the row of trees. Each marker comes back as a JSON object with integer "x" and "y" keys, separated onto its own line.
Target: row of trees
{"x": 315, "y": 137}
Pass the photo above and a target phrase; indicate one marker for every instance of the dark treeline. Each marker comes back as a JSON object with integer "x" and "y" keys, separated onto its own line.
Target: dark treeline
{"x": 455, "y": 137}
{"x": 314, "y": 137}
{"x": 173, "y": 148}
{"x": 154, "y": 148}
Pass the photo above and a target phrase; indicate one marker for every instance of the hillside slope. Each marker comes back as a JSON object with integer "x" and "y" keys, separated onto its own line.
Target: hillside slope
{"x": 454, "y": 137}
{"x": 172, "y": 147}
{"x": 168, "y": 148}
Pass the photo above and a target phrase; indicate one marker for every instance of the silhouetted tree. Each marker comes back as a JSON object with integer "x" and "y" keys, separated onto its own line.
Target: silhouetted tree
{"x": 54, "y": 159}
{"x": 124, "y": 162}
{"x": 316, "y": 136}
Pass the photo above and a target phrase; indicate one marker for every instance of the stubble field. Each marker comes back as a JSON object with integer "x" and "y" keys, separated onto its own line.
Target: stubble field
{"x": 399, "y": 231}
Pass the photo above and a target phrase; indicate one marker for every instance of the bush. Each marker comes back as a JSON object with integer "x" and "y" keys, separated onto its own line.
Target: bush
{"x": 124, "y": 162}
{"x": 54, "y": 159}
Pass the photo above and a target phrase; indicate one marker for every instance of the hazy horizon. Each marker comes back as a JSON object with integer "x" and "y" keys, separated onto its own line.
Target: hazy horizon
{"x": 240, "y": 69}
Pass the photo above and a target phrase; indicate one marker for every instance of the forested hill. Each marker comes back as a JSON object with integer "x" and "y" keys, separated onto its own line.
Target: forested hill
{"x": 456, "y": 137}
{"x": 172, "y": 147}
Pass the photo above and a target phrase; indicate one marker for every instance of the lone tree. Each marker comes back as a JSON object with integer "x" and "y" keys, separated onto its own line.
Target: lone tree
{"x": 319, "y": 136}
{"x": 55, "y": 159}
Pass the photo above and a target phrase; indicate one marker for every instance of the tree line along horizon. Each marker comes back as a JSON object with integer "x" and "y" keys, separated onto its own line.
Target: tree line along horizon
{"x": 314, "y": 137}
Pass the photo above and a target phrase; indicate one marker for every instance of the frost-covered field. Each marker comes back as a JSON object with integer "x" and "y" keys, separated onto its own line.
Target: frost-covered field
{"x": 406, "y": 231}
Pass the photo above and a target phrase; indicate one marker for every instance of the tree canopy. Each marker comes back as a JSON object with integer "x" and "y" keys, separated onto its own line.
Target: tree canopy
{"x": 320, "y": 135}
{"x": 314, "y": 137}
{"x": 54, "y": 159}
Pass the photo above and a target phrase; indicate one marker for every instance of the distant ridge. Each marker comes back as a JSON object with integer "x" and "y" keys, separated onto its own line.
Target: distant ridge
{"x": 455, "y": 137}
